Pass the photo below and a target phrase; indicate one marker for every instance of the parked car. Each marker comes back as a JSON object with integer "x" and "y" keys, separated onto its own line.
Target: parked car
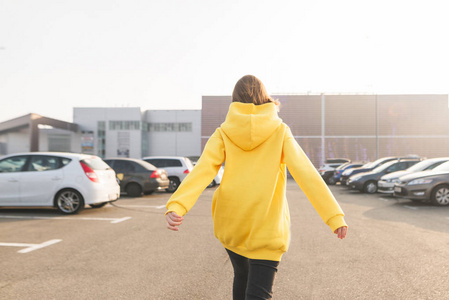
{"x": 365, "y": 168}
{"x": 66, "y": 181}
{"x": 386, "y": 182}
{"x": 339, "y": 170}
{"x": 327, "y": 170}
{"x": 137, "y": 176}
{"x": 177, "y": 167}
{"x": 425, "y": 186}
{"x": 367, "y": 181}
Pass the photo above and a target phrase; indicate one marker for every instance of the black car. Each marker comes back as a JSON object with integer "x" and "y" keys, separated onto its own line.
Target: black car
{"x": 137, "y": 176}
{"x": 367, "y": 181}
{"x": 365, "y": 168}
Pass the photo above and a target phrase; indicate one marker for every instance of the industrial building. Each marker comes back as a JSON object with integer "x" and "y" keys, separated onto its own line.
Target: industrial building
{"x": 358, "y": 127}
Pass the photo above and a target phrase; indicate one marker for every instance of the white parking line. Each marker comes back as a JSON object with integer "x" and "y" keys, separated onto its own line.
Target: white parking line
{"x": 30, "y": 247}
{"x": 411, "y": 207}
{"x": 113, "y": 220}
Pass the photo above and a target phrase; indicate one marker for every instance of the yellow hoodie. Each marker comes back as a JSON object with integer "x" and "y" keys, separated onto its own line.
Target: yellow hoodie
{"x": 249, "y": 208}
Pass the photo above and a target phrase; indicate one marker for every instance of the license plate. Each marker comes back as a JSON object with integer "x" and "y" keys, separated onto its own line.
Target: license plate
{"x": 397, "y": 189}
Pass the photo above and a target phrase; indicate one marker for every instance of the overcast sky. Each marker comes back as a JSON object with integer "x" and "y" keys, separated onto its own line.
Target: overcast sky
{"x": 56, "y": 55}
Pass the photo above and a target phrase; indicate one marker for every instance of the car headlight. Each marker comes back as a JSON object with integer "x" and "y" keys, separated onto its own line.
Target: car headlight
{"x": 393, "y": 180}
{"x": 420, "y": 181}
{"x": 355, "y": 178}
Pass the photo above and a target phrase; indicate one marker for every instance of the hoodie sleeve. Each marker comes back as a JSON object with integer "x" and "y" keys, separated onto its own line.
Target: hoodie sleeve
{"x": 201, "y": 176}
{"x": 311, "y": 183}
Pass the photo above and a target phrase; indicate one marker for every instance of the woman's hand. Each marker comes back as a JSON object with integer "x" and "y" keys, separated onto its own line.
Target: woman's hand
{"x": 341, "y": 232}
{"x": 173, "y": 221}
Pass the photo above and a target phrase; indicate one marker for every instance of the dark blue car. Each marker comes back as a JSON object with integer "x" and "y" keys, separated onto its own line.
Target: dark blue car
{"x": 365, "y": 168}
{"x": 338, "y": 171}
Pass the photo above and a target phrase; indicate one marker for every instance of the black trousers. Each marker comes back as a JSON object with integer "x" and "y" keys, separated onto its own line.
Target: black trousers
{"x": 253, "y": 278}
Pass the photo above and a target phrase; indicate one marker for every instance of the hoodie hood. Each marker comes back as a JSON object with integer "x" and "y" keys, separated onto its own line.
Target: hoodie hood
{"x": 248, "y": 125}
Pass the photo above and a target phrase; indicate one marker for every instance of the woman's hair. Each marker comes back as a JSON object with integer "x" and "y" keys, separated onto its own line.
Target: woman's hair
{"x": 249, "y": 89}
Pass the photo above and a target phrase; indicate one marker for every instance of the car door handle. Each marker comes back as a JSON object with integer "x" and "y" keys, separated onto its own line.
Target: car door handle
{"x": 56, "y": 178}
{"x": 13, "y": 180}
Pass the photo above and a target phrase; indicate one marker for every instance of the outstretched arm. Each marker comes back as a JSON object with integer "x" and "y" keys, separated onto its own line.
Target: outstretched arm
{"x": 201, "y": 176}
{"x": 311, "y": 183}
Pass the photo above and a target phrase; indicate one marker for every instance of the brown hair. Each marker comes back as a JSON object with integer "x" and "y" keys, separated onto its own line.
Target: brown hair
{"x": 249, "y": 89}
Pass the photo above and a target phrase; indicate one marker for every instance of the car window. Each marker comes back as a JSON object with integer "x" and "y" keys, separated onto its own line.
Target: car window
{"x": 444, "y": 167}
{"x": 172, "y": 163}
{"x": 409, "y": 164}
{"x": 158, "y": 163}
{"x": 123, "y": 166}
{"x": 399, "y": 166}
{"x": 13, "y": 164}
{"x": 140, "y": 168}
{"x": 432, "y": 166}
{"x": 44, "y": 163}
{"x": 65, "y": 161}
{"x": 95, "y": 163}
{"x": 384, "y": 166}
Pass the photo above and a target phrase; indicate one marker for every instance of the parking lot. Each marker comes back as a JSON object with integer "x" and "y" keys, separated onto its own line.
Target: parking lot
{"x": 395, "y": 249}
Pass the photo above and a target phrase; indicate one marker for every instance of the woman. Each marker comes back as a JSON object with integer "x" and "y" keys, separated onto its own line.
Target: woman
{"x": 250, "y": 209}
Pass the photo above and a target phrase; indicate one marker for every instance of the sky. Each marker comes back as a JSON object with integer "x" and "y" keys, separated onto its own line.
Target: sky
{"x": 167, "y": 54}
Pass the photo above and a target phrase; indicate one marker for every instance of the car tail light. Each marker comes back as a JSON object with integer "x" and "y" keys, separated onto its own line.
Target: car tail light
{"x": 187, "y": 171}
{"x": 89, "y": 172}
{"x": 155, "y": 174}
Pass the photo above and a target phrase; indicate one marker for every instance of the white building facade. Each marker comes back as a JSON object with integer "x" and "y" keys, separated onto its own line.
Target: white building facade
{"x": 129, "y": 132}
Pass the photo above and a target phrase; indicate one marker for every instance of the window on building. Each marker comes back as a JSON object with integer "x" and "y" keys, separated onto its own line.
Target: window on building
{"x": 124, "y": 125}
{"x": 59, "y": 143}
{"x": 101, "y": 136}
{"x": 170, "y": 127}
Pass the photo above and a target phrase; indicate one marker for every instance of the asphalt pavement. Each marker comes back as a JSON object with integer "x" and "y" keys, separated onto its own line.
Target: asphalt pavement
{"x": 395, "y": 249}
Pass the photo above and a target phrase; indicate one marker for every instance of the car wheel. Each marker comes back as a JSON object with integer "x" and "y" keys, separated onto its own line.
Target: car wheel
{"x": 331, "y": 181}
{"x": 440, "y": 195}
{"x": 370, "y": 187}
{"x": 212, "y": 184}
{"x": 69, "y": 202}
{"x": 134, "y": 190}
{"x": 173, "y": 186}
{"x": 98, "y": 205}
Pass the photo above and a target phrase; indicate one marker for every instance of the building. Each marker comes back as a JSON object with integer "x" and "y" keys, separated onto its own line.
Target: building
{"x": 172, "y": 132}
{"x": 107, "y": 132}
{"x": 127, "y": 132}
{"x": 34, "y": 132}
{"x": 358, "y": 127}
